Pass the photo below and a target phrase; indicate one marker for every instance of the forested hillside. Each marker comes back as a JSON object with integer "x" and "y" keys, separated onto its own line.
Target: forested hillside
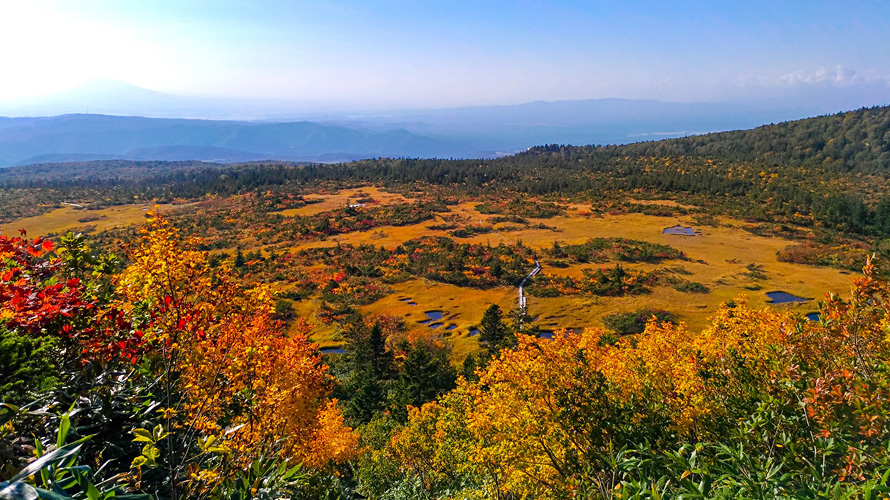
{"x": 853, "y": 141}
{"x": 829, "y": 171}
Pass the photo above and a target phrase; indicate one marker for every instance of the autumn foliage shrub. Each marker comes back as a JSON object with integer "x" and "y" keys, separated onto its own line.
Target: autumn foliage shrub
{"x": 850, "y": 256}
{"x": 240, "y": 378}
{"x": 611, "y": 249}
{"x": 607, "y": 282}
{"x": 176, "y": 375}
{"x": 212, "y": 385}
{"x": 757, "y": 392}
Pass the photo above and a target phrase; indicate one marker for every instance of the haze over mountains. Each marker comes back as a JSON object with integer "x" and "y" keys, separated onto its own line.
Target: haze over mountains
{"x": 94, "y": 137}
{"x": 107, "y": 119}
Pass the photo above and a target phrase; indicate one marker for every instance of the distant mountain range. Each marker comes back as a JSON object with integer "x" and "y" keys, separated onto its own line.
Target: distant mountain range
{"x": 102, "y": 137}
{"x": 106, "y": 119}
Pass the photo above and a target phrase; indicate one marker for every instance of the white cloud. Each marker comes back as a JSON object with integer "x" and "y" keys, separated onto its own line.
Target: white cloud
{"x": 839, "y": 76}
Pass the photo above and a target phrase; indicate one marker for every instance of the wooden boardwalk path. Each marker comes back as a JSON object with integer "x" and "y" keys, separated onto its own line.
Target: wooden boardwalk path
{"x": 523, "y": 302}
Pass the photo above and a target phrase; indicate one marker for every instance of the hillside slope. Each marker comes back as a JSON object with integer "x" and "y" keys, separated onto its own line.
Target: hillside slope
{"x": 855, "y": 140}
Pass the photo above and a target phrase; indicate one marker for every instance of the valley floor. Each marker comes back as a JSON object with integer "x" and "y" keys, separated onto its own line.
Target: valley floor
{"x": 720, "y": 256}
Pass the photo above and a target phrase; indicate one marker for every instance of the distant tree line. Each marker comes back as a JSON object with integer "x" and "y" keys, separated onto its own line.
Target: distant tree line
{"x": 829, "y": 171}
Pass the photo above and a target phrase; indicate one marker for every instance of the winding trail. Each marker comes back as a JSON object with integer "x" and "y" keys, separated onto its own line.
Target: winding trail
{"x": 522, "y": 298}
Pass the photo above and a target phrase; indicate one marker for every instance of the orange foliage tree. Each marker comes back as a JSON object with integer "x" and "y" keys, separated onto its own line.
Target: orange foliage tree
{"x": 234, "y": 385}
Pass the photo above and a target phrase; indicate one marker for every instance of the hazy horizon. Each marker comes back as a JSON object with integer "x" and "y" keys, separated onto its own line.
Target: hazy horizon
{"x": 380, "y": 55}
{"x": 388, "y": 77}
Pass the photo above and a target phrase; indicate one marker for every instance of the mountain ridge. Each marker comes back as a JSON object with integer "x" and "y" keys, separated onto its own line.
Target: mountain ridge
{"x": 85, "y": 135}
{"x": 470, "y": 131}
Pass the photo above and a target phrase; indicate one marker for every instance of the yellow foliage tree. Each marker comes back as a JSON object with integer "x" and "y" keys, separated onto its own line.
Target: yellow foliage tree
{"x": 231, "y": 374}
{"x": 541, "y": 410}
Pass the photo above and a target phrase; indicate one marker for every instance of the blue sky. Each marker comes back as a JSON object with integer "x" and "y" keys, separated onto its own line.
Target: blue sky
{"x": 433, "y": 54}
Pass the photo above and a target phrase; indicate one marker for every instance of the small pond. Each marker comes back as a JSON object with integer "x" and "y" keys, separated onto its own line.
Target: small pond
{"x": 783, "y": 297}
{"x": 332, "y": 350}
{"x": 813, "y": 317}
{"x": 451, "y": 327}
{"x": 474, "y": 331}
{"x": 681, "y": 230}
{"x": 434, "y": 319}
{"x": 546, "y": 334}
{"x": 409, "y": 301}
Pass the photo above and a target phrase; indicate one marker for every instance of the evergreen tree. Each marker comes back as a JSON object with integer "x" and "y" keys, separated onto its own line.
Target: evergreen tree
{"x": 493, "y": 331}
{"x": 520, "y": 322}
{"x": 882, "y": 217}
{"x": 367, "y": 395}
{"x": 425, "y": 374}
{"x": 472, "y": 363}
{"x": 368, "y": 371}
{"x": 380, "y": 359}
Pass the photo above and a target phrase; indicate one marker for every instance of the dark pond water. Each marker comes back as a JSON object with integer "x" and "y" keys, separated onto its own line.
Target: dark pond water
{"x": 549, "y": 335}
{"x": 813, "y": 316}
{"x": 435, "y": 325}
{"x": 332, "y": 350}
{"x": 783, "y": 297}
{"x": 681, "y": 230}
{"x": 451, "y": 327}
{"x": 474, "y": 331}
{"x": 425, "y": 322}
{"x": 437, "y": 315}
